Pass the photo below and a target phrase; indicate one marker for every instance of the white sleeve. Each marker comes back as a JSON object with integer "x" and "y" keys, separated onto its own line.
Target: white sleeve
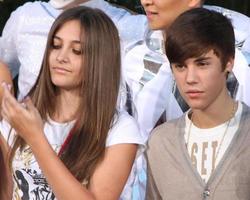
{"x": 240, "y": 22}
{"x": 241, "y": 71}
{"x": 132, "y": 28}
{"x": 150, "y": 78}
{"x": 246, "y": 45}
{"x": 154, "y": 98}
{"x": 124, "y": 130}
{"x": 8, "y": 42}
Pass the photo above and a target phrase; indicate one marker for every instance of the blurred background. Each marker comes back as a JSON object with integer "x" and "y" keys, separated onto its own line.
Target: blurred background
{"x": 243, "y": 6}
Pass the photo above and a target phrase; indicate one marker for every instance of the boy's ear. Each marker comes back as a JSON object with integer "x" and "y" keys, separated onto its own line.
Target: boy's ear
{"x": 194, "y": 4}
{"x": 229, "y": 65}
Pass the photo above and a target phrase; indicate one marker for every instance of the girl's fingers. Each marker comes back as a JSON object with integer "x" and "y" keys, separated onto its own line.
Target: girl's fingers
{"x": 10, "y": 106}
{"x": 29, "y": 104}
{"x": 5, "y": 117}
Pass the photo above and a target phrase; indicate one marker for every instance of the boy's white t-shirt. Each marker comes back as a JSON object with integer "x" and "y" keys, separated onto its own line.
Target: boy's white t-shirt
{"x": 30, "y": 183}
{"x": 206, "y": 147}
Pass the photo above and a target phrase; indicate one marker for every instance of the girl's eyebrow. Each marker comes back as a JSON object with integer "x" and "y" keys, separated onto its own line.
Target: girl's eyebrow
{"x": 74, "y": 41}
{"x": 57, "y": 37}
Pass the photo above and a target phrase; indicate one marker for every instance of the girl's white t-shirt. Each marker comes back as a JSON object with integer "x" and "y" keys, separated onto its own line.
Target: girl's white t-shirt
{"x": 29, "y": 181}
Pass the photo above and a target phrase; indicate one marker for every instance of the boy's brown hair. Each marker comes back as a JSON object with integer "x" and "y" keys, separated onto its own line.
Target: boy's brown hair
{"x": 197, "y": 31}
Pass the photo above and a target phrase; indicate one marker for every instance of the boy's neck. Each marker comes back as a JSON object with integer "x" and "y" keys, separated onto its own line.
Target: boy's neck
{"x": 214, "y": 116}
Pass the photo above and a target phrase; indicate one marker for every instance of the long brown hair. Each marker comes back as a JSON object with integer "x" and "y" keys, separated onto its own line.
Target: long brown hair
{"x": 98, "y": 90}
{"x": 3, "y": 179}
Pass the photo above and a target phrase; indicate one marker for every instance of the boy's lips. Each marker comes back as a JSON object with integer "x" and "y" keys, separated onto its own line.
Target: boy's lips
{"x": 194, "y": 93}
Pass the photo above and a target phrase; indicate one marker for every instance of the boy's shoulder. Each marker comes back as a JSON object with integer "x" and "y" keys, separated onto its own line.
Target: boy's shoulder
{"x": 167, "y": 130}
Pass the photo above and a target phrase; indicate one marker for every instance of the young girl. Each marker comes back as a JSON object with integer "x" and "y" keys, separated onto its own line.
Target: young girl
{"x": 70, "y": 140}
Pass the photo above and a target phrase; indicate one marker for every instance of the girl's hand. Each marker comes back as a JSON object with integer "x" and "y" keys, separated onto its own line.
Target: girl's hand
{"x": 23, "y": 117}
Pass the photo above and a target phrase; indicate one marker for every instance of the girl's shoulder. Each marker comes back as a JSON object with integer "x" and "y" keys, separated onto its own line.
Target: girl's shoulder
{"x": 124, "y": 130}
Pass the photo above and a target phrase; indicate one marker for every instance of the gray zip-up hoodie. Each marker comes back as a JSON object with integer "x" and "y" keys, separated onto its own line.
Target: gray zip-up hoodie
{"x": 171, "y": 175}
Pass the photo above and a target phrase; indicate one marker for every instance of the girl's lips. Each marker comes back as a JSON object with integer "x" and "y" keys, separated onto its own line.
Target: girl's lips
{"x": 60, "y": 70}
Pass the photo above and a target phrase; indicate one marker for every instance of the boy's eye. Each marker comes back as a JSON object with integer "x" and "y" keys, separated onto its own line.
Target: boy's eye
{"x": 178, "y": 66}
{"x": 201, "y": 64}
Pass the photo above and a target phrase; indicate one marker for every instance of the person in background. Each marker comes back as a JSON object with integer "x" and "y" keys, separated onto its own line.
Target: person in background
{"x": 67, "y": 137}
{"x": 204, "y": 153}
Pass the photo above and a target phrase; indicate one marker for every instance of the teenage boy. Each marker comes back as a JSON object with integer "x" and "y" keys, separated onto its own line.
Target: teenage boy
{"x": 205, "y": 154}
